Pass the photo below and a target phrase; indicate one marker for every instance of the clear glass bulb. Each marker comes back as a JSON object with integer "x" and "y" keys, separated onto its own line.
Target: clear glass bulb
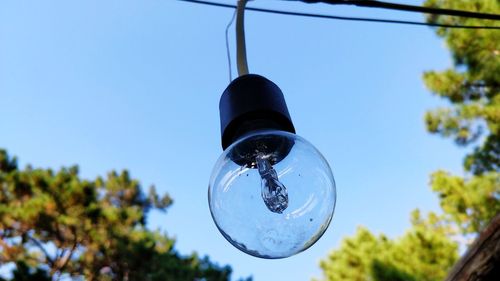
{"x": 272, "y": 194}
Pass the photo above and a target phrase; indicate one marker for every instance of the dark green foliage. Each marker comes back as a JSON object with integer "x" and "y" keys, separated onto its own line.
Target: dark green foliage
{"x": 55, "y": 224}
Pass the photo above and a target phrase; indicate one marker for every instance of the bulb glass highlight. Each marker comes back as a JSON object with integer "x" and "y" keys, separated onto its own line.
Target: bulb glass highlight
{"x": 272, "y": 194}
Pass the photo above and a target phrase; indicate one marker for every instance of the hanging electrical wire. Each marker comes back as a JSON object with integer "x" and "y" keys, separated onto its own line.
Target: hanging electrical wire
{"x": 360, "y": 19}
{"x": 407, "y": 8}
{"x": 228, "y": 51}
{"x": 241, "y": 50}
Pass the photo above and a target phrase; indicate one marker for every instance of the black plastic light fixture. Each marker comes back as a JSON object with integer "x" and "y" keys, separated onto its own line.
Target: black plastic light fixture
{"x": 271, "y": 193}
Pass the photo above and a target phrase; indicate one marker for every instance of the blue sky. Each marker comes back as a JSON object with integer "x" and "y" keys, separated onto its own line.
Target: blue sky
{"x": 136, "y": 84}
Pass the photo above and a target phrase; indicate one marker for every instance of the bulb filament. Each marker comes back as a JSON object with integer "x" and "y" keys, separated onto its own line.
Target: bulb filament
{"x": 273, "y": 192}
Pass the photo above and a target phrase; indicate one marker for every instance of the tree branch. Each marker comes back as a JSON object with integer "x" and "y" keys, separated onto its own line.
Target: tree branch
{"x": 68, "y": 256}
{"x": 40, "y": 246}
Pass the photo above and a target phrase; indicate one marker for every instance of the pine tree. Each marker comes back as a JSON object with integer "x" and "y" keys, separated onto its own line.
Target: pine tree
{"x": 56, "y": 225}
{"x": 471, "y": 87}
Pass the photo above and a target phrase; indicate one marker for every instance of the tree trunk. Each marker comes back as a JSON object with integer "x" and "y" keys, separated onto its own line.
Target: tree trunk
{"x": 481, "y": 262}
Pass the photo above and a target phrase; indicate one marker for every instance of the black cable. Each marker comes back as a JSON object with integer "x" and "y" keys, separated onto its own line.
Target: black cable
{"x": 409, "y": 8}
{"x": 341, "y": 18}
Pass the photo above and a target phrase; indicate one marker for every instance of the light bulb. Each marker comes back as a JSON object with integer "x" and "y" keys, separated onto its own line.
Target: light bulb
{"x": 271, "y": 193}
